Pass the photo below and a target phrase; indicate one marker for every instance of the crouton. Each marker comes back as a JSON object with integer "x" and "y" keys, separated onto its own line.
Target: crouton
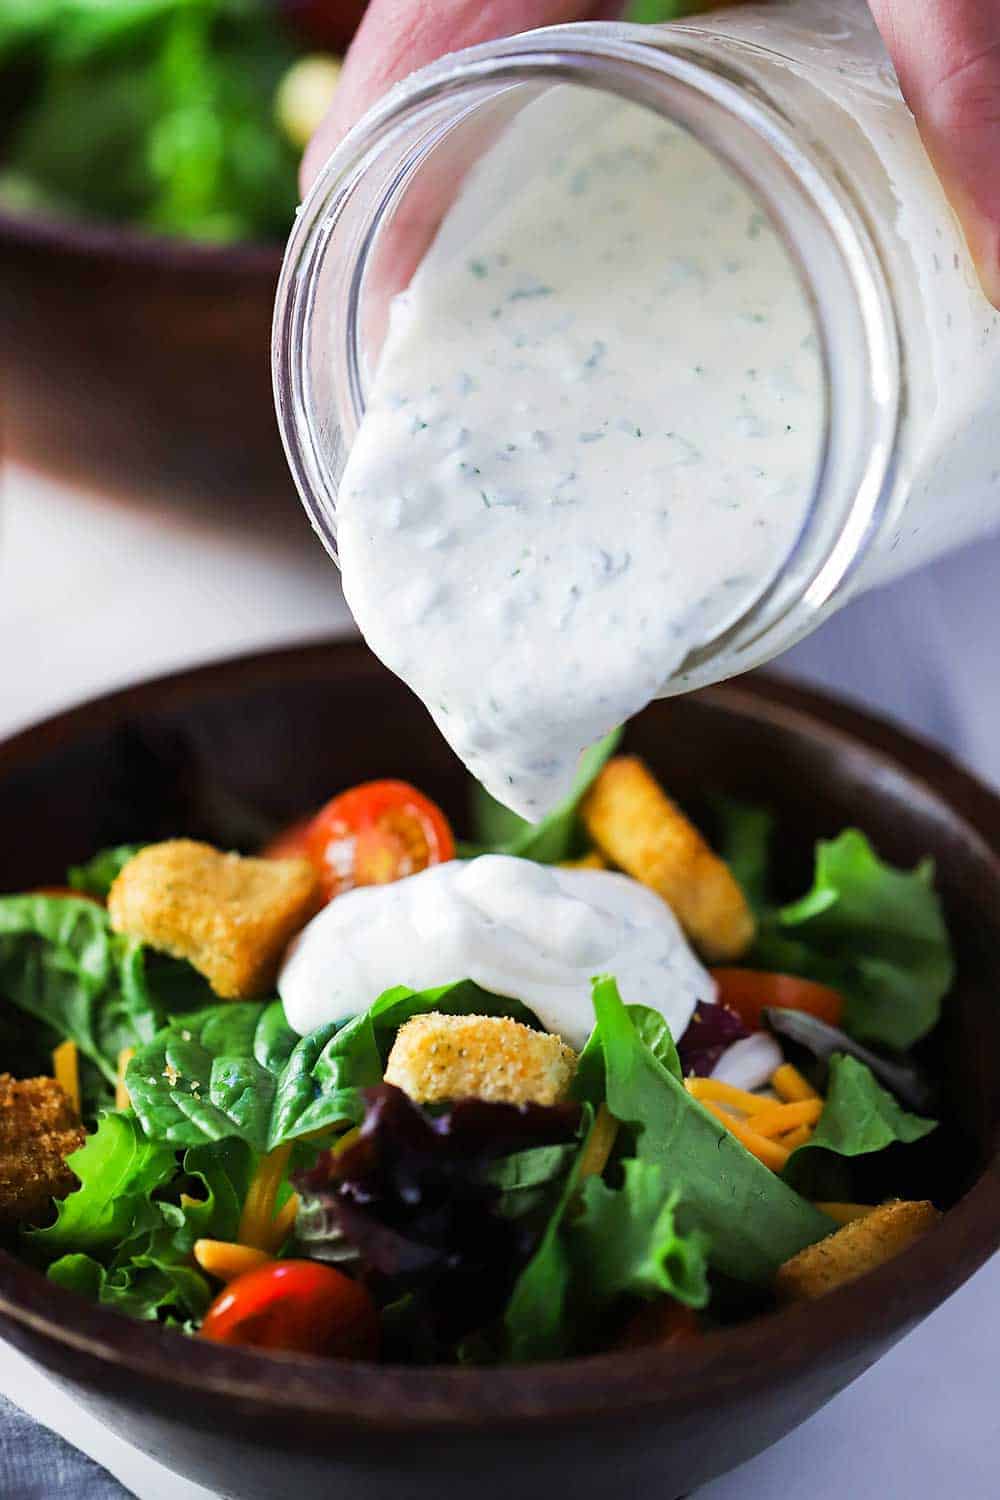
{"x": 437, "y": 1057}
{"x": 38, "y": 1129}
{"x": 230, "y": 917}
{"x": 859, "y": 1246}
{"x": 637, "y": 827}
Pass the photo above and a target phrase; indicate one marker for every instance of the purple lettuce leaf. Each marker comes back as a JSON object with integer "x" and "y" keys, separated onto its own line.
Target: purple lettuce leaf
{"x": 710, "y": 1031}
{"x": 447, "y": 1206}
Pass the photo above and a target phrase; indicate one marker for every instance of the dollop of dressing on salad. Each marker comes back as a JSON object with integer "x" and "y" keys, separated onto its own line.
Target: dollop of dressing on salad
{"x": 535, "y": 933}
{"x": 589, "y": 443}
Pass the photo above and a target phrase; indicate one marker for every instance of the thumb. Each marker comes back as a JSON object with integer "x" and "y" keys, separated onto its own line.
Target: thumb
{"x": 947, "y": 55}
{"x": 398, "y": 36}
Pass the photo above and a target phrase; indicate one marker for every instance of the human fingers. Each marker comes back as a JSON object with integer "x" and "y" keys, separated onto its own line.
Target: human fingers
{"x": 947, "y": 55}
{"x": 398, "y": 36}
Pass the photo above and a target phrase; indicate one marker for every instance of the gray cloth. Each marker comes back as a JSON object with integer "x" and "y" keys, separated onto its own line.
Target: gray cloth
{"x": 35, "y": 1464}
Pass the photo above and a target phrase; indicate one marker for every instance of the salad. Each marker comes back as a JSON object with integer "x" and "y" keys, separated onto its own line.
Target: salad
{"x": 184, "y": 117}
{"x": 254, "y": 1098}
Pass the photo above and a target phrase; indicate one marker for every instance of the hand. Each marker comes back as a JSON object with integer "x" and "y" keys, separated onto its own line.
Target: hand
{"x": 947, "y": 55}
{"x": 946, "y": 52}
{"x": 398, "y": 36}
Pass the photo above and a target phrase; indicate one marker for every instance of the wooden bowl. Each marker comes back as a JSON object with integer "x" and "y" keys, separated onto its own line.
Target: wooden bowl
{"x": 139, "y": 365}
{"x": 232, "y": 750}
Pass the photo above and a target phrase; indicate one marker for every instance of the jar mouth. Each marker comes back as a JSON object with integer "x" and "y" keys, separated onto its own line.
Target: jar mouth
{"x": 319, "y": 379}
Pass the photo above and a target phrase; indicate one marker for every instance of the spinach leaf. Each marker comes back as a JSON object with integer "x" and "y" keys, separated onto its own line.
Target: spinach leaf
{"x": 859, "y": 1117}
{"x": 652, "y": 1030}
{"x": 61, "y": 963}
{"x": 557, "y": 836}
{"x": 240, "y": 1070}
{"x": 874, "y": 932}
{"x": 527, "y": 1178}
{"x": 97, "y": 875}
{"x": 651, "y": 1027}
{"x": 753, "y": 1220}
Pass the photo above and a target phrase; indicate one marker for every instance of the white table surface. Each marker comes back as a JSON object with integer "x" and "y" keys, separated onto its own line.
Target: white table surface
{"x": 95, "y": 594}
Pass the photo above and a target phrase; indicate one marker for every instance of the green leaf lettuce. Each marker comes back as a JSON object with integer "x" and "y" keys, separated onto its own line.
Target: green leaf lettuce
{"x": 125, "y": 1237}
{"x": 859, "y": 1117}
{"x": 874, "y": 932}
{"x": 752, "y": 1219}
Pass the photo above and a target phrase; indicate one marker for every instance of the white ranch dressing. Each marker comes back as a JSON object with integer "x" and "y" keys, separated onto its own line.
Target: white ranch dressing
{"x": 589, "y": 443}
{"x": 535, "y": 933}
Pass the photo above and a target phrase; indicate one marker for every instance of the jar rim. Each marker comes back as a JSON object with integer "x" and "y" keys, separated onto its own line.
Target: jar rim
{"x": 672, "y": 69}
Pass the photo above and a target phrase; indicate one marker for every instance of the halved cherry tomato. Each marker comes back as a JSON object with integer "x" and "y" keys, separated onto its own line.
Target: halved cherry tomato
{"x": 748, "y": 992}
{"x": 299, "y": 1305}
{"x": 659, "y": 1324}
{"x": 371, "y": 835}
{"x": 377, "y": 833}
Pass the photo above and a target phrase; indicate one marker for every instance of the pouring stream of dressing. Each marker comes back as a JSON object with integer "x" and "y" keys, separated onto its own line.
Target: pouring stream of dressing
{"x": 589, "y": 443}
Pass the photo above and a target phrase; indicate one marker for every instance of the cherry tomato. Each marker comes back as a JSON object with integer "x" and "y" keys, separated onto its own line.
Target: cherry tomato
{"x": 377, "y": 833}
{"x": 659, "y": 1324}
{"x": 291, "y": 843}
{"x": 299, "y": 1305}
{"x": 748, "y": 992}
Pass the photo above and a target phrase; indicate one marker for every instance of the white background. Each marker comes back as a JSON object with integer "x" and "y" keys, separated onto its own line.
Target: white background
{"x": 95, "y": 594}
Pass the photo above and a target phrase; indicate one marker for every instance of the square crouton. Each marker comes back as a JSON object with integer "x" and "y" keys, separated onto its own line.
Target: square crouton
{"x": 437, "y": 1057}
{"x": 39, "y": 1128}
{"x": 230, "y": 917}
{"x": 636, "y": 826}
{"x": 858, "y": 1247}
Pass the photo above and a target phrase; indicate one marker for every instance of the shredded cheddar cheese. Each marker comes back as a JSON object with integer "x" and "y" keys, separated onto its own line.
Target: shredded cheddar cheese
{"x": 66, "y": 1071}
{"x": 257, "y": 1222}
{"x": 779, "y": 1118}
{"x": 225, "y": 1261}
{"x": 771, "y": 1153}
{"x": 346, "y": 1141}
{"x": 599, "y": 1144}
{"x": 284, "y": 1222}
{"x": 789, "y": 1084}
{"x": 122, "y": 1099}
{"x": 797, "y": 1137}
{"x": 705, "y": 1089}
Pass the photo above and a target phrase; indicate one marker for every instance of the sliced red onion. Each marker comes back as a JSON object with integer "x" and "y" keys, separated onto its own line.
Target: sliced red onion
{"x": 749, "y": 1063}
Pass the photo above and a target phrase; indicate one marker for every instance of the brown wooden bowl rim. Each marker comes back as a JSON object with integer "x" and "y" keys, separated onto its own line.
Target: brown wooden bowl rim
{"x": 103, "y": 239}
{"x": 769, "y": 1351}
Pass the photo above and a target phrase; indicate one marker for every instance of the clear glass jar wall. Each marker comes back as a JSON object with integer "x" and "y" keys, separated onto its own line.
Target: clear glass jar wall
{"x": 822, "y": 63}
{"x": 799, "y": 98}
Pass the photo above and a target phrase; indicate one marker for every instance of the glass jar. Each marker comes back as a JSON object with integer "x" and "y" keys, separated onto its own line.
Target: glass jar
{"x": 797, "y": 97}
